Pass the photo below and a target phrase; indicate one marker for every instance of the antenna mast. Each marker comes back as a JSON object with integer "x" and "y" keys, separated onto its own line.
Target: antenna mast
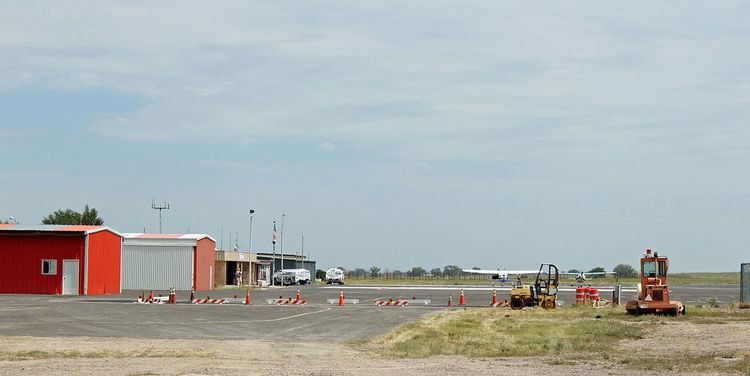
{"x": 165, "y": 206}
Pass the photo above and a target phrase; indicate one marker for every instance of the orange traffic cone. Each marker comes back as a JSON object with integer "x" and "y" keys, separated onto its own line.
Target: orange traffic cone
{"x": 461, "y": 300}
{"x": 450, "y": 300}
{"x": 247, "y": 297}
{"x": 494, "y": 298}
{"x": 192, "y": 295}
{"x": 299, "y": 295}
{"x": 151, "y": 297}
{"x": 172, "y": 296}
{"x": 341, "y": 298}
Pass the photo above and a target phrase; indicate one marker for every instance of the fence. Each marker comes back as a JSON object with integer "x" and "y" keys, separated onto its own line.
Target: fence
{"x": 745, "y": 283}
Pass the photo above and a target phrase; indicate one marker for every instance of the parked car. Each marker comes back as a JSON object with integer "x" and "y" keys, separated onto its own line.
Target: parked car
{"x": 335, "y": 275}
{"x": 292, "y": 277}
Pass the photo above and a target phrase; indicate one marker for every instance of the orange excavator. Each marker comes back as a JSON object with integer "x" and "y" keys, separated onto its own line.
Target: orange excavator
{"x": 653, "y": 292}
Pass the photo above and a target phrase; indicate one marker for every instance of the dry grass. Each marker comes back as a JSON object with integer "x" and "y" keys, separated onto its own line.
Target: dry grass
{"x": 561, "y": 336}
{"x": 500, "y": 333}
{"x": 73, "y": 354}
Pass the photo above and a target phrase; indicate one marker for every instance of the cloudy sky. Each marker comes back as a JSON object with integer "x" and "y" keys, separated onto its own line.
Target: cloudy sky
{"x": 397, "y": 134}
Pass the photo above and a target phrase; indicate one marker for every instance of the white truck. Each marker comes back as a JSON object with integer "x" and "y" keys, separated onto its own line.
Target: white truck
{"x": 335, "y": 275}
{"x": 292, "y": 277}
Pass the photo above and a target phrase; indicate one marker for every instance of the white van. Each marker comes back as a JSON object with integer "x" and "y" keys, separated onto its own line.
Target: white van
{"x": 292, "y": 277}
{"x": 334, "y": 275}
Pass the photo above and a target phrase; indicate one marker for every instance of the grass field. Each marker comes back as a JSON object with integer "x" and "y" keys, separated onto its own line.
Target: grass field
{"x": 561, "y": 335}
{"x": 676, "y": 279}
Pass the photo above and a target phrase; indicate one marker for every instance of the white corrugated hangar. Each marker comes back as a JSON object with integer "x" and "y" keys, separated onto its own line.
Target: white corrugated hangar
{"x": 162, "y": 261}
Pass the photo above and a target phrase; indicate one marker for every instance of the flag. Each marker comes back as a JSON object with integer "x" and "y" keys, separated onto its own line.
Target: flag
{"x": 273, "y": 236}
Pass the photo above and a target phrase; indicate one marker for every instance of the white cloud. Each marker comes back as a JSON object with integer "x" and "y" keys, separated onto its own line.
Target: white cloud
{"x": 327, "y": 146}
{"x": 424, "y": 80}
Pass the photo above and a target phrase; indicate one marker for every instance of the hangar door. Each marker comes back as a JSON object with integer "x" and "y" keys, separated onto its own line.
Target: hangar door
{"x": 157, "y": 267}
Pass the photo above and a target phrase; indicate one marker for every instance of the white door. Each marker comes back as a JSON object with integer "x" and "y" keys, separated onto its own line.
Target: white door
{"x": 210, "y": 277}
{"x": 70, "y": 277}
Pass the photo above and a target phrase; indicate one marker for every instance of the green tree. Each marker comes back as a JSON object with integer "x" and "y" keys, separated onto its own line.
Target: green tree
{"x": 574, "y": 271}
{"x": 359, "y": 272}
{"x": 418, "y": 271}
{"x": 91, "y": 217}
{"x": 71, "y": 217}
{"x": 374, "y": 271}
{"x": 597, "y": 269}
{"x": 436, "y": 272}
{"x": 452, "y": 270}
{"x": 625, "y": 271}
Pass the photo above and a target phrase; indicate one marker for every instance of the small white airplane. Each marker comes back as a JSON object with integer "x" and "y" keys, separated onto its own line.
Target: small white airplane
{"x": 582, "y": 277}
{"x": 500, "y": 275}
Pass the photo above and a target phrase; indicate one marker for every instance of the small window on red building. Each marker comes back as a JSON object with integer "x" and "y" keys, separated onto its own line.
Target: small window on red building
{"x": 49, "y": 267}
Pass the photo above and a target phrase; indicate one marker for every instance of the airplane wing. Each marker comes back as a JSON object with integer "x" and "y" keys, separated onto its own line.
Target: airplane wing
{"x": 498, "y": 272}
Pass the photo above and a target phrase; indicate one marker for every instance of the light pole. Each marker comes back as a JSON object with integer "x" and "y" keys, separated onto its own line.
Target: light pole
{"x": 273, "y": 259}
{"x": 250, "y": 238}
{"x": 250, "y": 249}
{"x": 303, "y": 249}
{"x": 281, "y": 245}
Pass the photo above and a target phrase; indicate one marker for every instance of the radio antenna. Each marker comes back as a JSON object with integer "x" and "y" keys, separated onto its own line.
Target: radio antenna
{"x": 164, "y": 206}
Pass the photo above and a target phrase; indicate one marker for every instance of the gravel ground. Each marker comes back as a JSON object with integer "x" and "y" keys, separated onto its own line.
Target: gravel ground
{"x": 126, "y": 356}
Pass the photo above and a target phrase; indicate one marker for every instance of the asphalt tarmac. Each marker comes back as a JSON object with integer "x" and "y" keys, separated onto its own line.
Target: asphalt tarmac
{"x": 119, "y": 316}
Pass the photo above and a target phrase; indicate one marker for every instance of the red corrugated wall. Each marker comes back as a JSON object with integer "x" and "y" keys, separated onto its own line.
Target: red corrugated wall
{"x": 205, "y": 257}
{"x": 105, "y": 249}
{"x": 21, "y": 262}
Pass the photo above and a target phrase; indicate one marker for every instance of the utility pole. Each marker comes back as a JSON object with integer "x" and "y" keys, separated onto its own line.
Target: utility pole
{"x": 221, "y": 244}
{"x": 165, "y": 206}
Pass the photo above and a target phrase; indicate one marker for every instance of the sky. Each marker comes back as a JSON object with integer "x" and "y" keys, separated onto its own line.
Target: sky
{"x": 494, "y": 134}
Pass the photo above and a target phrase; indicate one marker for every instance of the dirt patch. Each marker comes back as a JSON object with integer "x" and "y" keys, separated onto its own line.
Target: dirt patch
{"x": 693, "y": 338}
{"x": 124, "y": 356}
{"x": 212, "y": 357}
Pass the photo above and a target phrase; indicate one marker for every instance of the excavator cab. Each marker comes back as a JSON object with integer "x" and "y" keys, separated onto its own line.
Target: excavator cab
{"x": 653, "y": 291}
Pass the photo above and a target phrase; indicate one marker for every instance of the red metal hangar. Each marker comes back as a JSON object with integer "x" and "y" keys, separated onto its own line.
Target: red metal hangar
{"x": 68, "y": 260}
